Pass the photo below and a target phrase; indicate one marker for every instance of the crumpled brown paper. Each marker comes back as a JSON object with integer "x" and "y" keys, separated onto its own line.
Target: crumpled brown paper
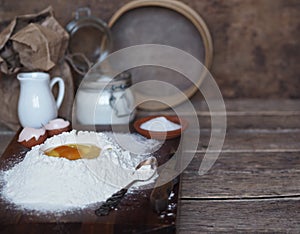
{"x": 33, "y": 42}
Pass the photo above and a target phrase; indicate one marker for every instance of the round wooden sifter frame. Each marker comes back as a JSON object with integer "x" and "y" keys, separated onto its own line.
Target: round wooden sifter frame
{"x": 199, "y": 24}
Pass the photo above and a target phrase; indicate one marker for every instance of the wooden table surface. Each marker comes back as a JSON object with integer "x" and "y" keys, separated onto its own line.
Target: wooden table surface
{"x": 254, "y": 185}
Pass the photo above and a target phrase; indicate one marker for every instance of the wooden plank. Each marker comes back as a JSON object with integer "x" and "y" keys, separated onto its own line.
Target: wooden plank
{"x": 240, "y": 216}
{"x": 244, "y": 175}
{"x": 250, "y": 105}
{"x": 259, "y": 121}
{"x": 246, "y": 106}
{"x": 238, "y": 141}
{"x": 247, "y": 141}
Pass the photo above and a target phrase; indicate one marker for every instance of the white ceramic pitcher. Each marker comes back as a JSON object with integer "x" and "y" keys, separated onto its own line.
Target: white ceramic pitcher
{"x": 37, "y": 106}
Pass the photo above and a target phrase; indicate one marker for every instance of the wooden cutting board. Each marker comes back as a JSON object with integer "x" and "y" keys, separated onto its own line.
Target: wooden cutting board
{"x": 134, "y": 214}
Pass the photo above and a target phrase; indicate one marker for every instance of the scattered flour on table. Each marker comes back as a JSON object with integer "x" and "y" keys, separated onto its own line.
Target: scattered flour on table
{"x": 160, "y": 124}
{"x": 45, "y": 183}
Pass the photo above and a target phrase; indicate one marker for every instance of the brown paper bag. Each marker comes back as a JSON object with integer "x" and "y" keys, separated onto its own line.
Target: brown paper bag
{"x": 37, "y": 47}
{"x": 32, "y": 42}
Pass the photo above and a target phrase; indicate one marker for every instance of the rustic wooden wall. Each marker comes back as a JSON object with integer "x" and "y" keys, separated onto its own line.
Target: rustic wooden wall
{"x": 257, "y": 46}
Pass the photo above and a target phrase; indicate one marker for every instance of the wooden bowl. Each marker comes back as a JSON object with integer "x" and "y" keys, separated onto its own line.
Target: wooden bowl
{"x": 161, "y": 135}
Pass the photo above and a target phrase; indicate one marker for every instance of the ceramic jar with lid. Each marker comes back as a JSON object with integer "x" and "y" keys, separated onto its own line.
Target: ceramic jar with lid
{"x": 104, "y": 101}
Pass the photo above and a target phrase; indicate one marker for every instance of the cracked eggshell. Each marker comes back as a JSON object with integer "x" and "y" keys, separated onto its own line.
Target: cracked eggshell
{"x": 30, "y": 137}
{"x": 57, "y": 126}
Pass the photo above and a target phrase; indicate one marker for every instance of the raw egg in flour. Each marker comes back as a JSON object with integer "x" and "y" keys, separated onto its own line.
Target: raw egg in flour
{"x": 74, "y": 151}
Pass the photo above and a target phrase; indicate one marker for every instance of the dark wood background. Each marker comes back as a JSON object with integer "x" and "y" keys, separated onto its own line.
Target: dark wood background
{"x": 257, "y": 47}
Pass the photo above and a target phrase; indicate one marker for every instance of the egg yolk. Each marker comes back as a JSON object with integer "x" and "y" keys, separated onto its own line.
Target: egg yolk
{"x": 74, "y": 151}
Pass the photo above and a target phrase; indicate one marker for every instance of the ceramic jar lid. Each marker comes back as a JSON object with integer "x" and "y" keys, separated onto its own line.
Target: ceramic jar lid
{"x": 98, "y": 82}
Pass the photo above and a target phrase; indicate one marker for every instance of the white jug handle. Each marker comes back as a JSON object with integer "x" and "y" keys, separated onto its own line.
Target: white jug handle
{"x": 61, "y": 90}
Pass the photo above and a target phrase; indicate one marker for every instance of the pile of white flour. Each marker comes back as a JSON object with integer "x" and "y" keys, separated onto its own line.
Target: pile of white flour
{"x": 45, "y": 183}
